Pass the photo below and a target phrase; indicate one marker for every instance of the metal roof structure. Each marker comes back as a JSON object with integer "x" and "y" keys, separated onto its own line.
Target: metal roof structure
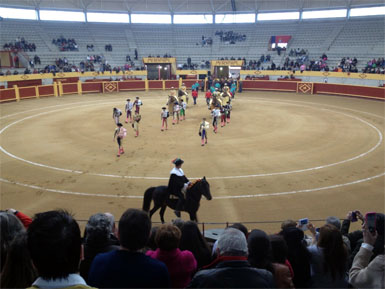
{"x": 189, "y": 6}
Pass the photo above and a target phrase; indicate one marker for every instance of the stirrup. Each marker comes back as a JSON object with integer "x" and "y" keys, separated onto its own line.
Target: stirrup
{"x": 177, "y": 213}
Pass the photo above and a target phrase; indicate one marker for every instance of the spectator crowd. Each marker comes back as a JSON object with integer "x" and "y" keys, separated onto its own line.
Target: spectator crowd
{"x": 20, "y": 44}
{"x": 230, "y": 37}
{"x": 108, "y": 47}
{"x": 206, "y": 41}
{"x": 46, "y": 252}
{"x": 375, "y": 66}
{"x": 65, "y": 44}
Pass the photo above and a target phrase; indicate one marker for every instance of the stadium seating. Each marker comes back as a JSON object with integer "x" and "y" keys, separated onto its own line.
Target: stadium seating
{"x": 337, "y": 38}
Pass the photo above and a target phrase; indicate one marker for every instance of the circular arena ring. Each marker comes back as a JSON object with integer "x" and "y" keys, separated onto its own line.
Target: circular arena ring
{"x": 282, "y": 156}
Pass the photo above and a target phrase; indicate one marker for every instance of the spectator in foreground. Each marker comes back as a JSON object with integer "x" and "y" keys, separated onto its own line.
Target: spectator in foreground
{"x": 18, "y": 270}
{"x": 329, "y": 259}
{"x": 298, "y": 256}
{"x": 97, "y": 239}
{"x": 283, "y": 273}
{"x": 193, "y": 241}
{"x": 10, "y": 228}
{"x": 356, "y": 237}
{"x": 233, "y": 270}
{"x": 128, "y": 267}
{"x": 365, "y": 273}
{"x": 260, "y": 250}
{"x": 180, "y": 264}
{"x": 54, "y": 243}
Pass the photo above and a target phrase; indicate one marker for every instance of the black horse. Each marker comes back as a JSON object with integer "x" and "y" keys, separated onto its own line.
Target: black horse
{"x": 162, "y": 199}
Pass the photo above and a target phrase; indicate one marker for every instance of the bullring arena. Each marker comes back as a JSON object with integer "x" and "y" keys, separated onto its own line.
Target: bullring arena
{"x": 282, "y": 155}
{"x": 299, "y": 145}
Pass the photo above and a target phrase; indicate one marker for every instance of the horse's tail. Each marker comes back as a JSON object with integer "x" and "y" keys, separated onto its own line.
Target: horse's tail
{"x": 147, "y": 199}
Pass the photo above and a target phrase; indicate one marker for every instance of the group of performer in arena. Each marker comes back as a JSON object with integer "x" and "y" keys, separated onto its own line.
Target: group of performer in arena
{"x": 220, "y": 107}
{"x": 120, "y": 131}
{"x": 218, "y": 100}
{"x": 177, "y": 104}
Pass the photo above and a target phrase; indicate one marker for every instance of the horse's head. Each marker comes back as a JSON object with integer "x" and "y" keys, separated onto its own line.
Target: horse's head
{"x": 206, "y": 189}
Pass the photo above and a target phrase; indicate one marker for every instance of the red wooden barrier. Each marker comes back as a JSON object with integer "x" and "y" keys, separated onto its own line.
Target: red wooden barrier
{"x": 46, "y": 90}
{"x": 27, "y": 92}
{"x": 132, "y": 85}
{"x": 70, "y": 88}
{"x": 171, "y": 83}
{"x": 269, "y": 85}
{"x": 7, "y": 94}
{"x": 155, "y": 84}
{"x": 91, "y": 87}
{"x": 350, "y": 90}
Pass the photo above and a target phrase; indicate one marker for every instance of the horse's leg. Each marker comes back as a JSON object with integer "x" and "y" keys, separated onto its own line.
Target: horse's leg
{"x": 193, "y": 216}
{"x": 161, "y": 213}
{"x": 154, "y": 209}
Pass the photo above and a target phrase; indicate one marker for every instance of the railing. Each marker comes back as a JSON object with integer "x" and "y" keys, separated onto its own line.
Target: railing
{"x": 59, "y": 88}
{"x": 223, "y": 225}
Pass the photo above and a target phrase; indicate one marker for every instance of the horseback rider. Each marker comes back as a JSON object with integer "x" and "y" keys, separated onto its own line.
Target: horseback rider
{"x": 177, "y": 185}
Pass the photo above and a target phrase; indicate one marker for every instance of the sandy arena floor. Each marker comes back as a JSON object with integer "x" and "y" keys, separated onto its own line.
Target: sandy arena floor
{"x": 282, "y": 156}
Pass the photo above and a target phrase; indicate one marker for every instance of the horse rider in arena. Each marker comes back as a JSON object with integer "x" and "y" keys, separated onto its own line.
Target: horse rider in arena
{"x": 225, "y": 96}
{"x": 183, "y": 94}
{"x": 172, "y": 98}
{"x": 177, "y": 185}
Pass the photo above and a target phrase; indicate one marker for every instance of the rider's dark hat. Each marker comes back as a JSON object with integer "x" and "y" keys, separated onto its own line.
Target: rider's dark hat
{"x": 177, "y": 161}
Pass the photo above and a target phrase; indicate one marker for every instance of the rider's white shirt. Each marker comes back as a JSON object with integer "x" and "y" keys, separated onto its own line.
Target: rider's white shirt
{"x": 178, "y": 172}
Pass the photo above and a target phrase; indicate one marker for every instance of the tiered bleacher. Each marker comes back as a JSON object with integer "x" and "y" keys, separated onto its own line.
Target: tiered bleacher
{"x": 360, "y": 38}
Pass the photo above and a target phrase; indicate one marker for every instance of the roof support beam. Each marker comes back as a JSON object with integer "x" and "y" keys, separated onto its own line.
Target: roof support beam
{"x": 233, "y": 6}
{"x": 183, "y": 3}
{"x": 223, "y": 4}
{"x": 212, "y": 6}
{"x": 170, "y": 6}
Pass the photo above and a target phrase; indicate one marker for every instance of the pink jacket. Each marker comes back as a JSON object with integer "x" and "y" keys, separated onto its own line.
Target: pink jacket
{"x": 181, "y": 265}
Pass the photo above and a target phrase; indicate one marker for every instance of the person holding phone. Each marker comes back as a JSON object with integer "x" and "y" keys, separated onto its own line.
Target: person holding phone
{"x": 329, "y": 259}
{"x": 366, "y": 274}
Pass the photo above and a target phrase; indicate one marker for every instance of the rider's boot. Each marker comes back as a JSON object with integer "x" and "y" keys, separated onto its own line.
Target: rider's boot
{"x": 179, "y": 207}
